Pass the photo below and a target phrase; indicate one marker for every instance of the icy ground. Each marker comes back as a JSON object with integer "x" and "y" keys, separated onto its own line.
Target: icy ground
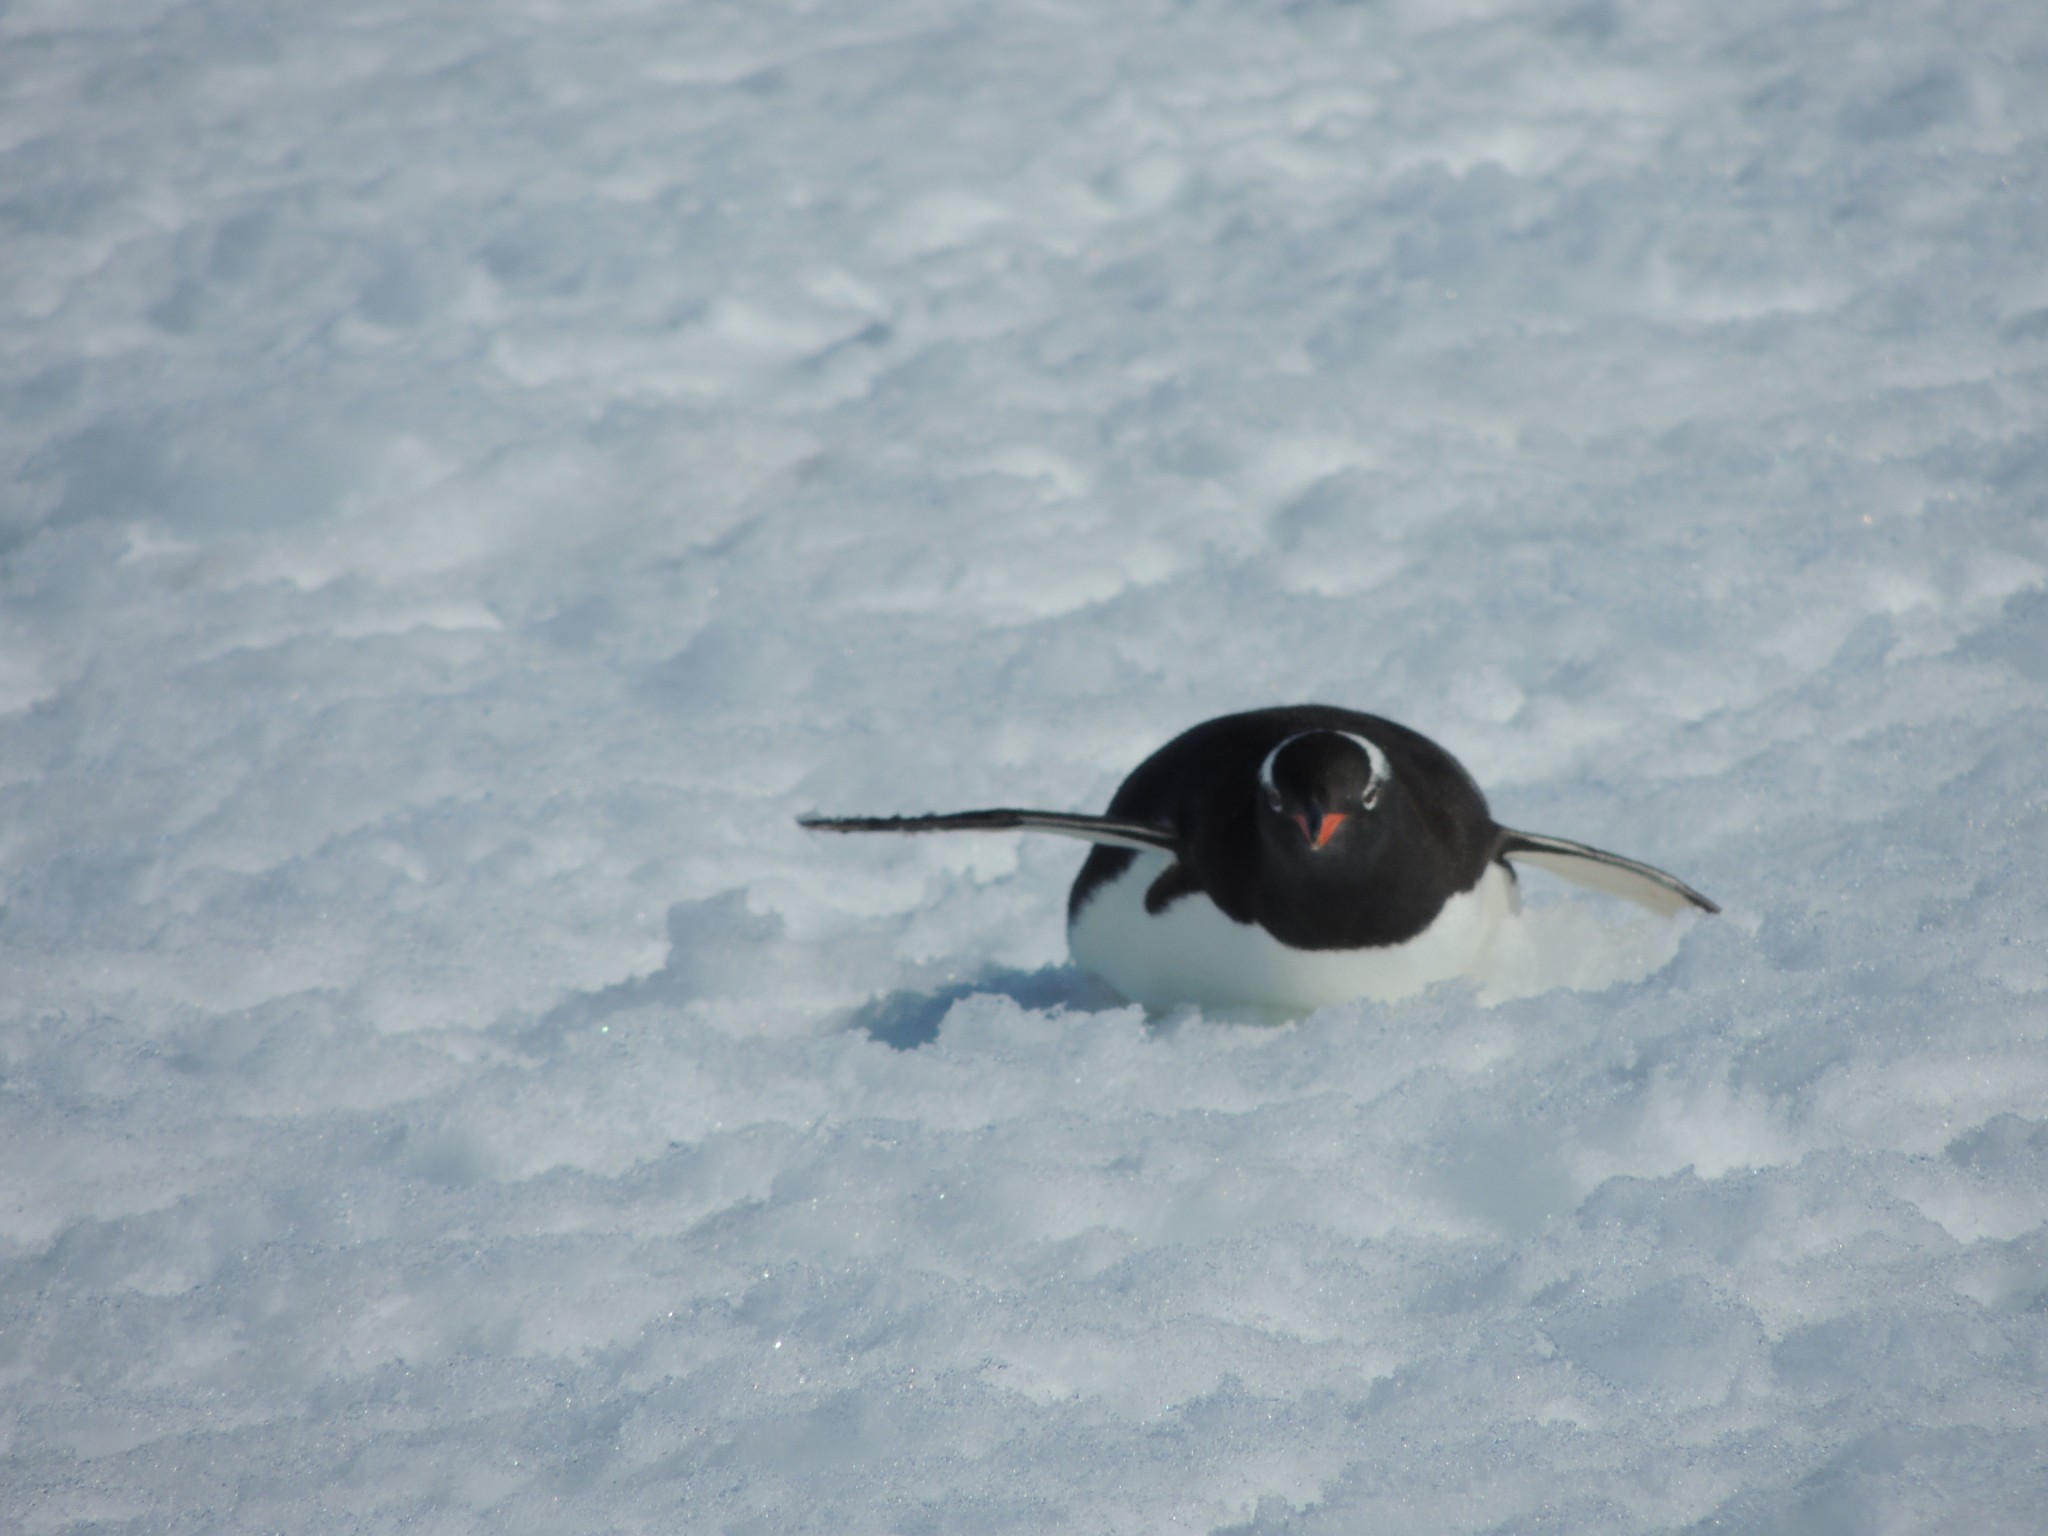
{"x": 473, "y": 473}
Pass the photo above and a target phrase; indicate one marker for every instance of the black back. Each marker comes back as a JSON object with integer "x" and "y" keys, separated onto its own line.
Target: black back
{"x": 1432, "y": 837}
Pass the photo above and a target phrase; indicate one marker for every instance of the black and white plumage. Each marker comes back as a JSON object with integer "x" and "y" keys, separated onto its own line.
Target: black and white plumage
{"x": 1291, "y": 858}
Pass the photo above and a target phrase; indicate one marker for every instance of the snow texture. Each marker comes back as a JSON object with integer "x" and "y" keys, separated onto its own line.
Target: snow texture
{"x": 474, "y": 474}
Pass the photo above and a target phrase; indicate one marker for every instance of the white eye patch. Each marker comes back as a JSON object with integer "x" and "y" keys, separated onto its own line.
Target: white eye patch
{"x": 1382, "y": 770}
{"x": 1266, "y": 785}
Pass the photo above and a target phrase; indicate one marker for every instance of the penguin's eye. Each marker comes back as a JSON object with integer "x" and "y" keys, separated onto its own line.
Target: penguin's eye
{"x": 1274, "y": 803}
{"x": 1371, "y": 797}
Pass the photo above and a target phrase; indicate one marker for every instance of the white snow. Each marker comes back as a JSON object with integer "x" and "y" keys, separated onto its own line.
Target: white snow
{"x": 474, "y": 474}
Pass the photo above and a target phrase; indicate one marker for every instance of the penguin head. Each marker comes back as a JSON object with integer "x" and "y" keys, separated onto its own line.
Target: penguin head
{"x": 1319, "y": 792}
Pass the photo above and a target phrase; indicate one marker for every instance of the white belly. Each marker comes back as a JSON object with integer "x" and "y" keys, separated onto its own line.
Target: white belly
{"x": 1192, "y": 953}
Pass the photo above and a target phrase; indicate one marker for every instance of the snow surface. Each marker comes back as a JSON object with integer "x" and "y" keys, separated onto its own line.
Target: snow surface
{"x": 475, "y": 473}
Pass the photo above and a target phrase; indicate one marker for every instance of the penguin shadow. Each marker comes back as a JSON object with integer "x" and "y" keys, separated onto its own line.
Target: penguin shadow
{"x": 909, "y": 1019}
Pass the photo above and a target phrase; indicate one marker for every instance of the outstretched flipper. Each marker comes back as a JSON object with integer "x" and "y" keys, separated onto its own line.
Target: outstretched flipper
{"x": 1112, "y": 830}
{"x": 1601, "y": 871}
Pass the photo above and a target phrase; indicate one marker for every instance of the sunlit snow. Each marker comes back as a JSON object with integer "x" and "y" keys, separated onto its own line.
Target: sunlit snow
{"x": 475, "y": 474}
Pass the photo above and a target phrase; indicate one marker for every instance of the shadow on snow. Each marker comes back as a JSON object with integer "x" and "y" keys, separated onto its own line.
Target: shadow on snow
{"x": 910, "y": 1018}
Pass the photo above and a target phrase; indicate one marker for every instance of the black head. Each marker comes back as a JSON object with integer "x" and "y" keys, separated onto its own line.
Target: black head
{"x": 1319, "y": 792}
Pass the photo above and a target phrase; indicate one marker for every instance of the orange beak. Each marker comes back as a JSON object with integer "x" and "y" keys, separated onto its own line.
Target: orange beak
{"x": 1325, "y": 828}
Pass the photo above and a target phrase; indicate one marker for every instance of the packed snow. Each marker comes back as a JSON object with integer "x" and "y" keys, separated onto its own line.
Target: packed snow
{"x": 474, "y": 475}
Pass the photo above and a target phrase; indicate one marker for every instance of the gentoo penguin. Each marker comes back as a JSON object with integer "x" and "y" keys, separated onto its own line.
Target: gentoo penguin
{"x": 1294, "y": 857}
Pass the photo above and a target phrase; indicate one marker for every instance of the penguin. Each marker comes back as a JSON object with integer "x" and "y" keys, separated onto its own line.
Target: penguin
{"x": 1294, "y": 857}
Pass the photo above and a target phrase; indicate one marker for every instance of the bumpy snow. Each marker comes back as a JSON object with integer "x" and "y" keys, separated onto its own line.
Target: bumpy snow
{"x": 475, "y": 473}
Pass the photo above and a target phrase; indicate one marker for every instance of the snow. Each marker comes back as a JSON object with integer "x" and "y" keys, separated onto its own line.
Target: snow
{"x": 474, "y": 475}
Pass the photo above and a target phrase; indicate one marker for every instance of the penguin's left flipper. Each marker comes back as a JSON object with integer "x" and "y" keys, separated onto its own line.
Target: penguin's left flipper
{"x": 1112, "y": 830}
{"x": 1602, "y": 871}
